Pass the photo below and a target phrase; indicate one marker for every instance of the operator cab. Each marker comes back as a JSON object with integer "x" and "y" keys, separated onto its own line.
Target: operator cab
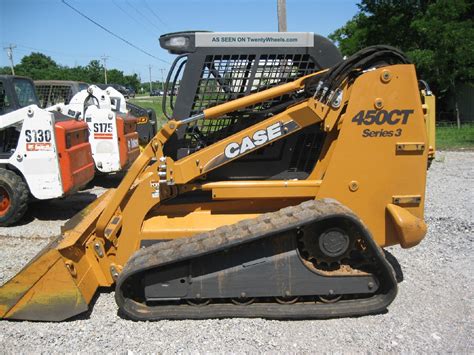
{"x": 16, "y": 92}
{"x": 212, "y": 68}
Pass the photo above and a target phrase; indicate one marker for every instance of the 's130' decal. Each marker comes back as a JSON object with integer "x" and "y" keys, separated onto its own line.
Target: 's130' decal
{"x": 38, "y": 135}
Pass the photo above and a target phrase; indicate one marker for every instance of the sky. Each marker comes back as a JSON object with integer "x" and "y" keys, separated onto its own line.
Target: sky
{"x": 53, "y": 28}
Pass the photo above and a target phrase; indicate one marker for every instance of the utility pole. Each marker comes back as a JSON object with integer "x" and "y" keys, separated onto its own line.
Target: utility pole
{"x": 149, "y": 69}
{"x": 281, "y": 10}
{"x": 162, "y": 79}
{"x": 9, "y": 50}
{"x": 104, "y": 58}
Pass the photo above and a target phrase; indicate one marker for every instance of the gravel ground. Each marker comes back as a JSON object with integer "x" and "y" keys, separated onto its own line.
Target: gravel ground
{"x": 433, "y": 310}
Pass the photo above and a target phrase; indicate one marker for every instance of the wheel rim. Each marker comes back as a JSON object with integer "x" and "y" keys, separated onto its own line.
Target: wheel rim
{"x": 4, "y": 201}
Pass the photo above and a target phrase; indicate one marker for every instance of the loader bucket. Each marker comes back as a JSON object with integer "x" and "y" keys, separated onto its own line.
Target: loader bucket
{"x": 59, "y": 282}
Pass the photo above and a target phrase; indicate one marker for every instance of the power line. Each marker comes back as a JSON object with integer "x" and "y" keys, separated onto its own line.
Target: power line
{"x": 74, "y": 55}
{"x": 130, "y": 15}
{"x": 142, "y": 15}
{"x": 114, "y": 59}
{"x": 112, "y": 33}
{"x": 69, "y": 54}
{"x": 154, "y": 13}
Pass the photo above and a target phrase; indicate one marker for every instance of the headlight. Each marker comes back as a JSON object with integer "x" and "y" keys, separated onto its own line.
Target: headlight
{"x": 177, "y": 42}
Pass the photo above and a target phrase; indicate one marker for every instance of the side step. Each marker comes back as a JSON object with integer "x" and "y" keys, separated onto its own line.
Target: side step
{"x": 259, "y": 261}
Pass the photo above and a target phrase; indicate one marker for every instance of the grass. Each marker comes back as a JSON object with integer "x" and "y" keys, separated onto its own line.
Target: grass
{"x": 153, "y": 102}
{"x": 448, "y": 136}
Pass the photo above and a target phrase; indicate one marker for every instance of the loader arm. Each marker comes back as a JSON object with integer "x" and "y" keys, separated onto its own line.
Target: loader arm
{"x": 174, "y": 177}
{"x": 210, "y": 158}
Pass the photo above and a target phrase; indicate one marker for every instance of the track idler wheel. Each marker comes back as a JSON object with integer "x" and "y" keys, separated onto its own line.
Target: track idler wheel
{"x": 287, "y": 300}
{"x": 243, "y": 301}
{"x": 328, "y": 245}
{"x": 330, "y": 298}
{"x": 198, "y": 302}
{"x": 334, "y": 242}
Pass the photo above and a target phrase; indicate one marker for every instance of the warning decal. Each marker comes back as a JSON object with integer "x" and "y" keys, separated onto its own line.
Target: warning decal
{"x": 103, "y": 136}
{"x": 38, "y": 147}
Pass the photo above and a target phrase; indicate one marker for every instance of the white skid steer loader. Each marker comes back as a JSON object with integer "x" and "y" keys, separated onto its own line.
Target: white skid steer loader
{"x": 43, "y": 155}
{"x": 113, "y": 135}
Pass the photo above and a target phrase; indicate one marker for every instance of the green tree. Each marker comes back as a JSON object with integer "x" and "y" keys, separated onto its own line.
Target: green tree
{"x": 37, "y": 66}
{"x": 132, "y": 80}
{"x": 95, "y": 72}
{"x": 114, "y": 76}
{"x": 5, "y": 70}
{"x": 78, "y": 73}
{"x": 437, "y": 35}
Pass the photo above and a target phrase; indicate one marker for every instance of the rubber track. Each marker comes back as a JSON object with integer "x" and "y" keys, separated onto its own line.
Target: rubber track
{"x": 266, "y": 225}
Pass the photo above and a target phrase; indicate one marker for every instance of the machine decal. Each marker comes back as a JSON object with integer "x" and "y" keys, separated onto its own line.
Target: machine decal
{"x": 102, "y": 127}
{"x": 38, "y": 135}
{"x": 103, "y": 131}
{"x": 38, "y": 140}
{"x": 260, "y": 137}
{"x": 103, "y": 136}
{"x": 38, "y": 147}
{"x": 380, "y": 117}
{"x": 382, "y": 133}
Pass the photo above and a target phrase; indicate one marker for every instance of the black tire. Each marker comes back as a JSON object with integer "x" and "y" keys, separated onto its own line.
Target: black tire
{"x": 14, "y": 195}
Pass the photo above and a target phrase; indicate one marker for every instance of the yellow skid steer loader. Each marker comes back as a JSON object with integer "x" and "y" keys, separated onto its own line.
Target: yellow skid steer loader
{"x": 179, "y": 240}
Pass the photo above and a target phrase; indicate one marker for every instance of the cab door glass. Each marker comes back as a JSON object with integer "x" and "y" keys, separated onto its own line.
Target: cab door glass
{"x": 25, "y": 92}
{"x": 5, "y": 101}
